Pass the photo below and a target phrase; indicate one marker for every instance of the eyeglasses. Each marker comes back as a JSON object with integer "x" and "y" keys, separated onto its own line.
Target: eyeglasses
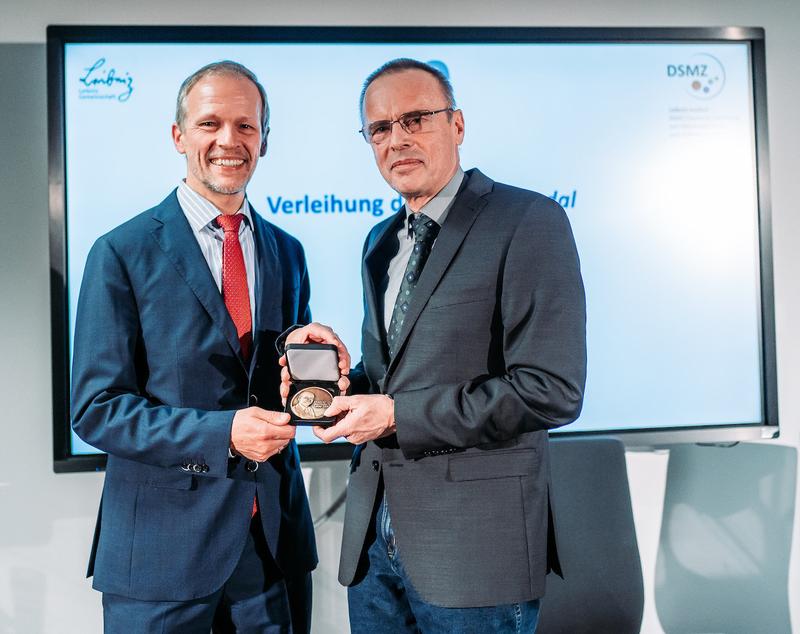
{"x": 412, "y": 122}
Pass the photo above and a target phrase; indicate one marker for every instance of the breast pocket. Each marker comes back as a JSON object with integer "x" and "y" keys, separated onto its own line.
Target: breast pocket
{"x": 461, "y": 290}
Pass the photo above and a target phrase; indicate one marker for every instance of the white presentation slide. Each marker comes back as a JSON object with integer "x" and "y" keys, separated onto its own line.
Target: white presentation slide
{"x": 649, "y": 147}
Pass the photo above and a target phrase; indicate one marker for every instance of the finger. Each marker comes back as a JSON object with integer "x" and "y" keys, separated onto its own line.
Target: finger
{"x": 298, "y": 335}
{"x": 344, "y": 384}
{"x": 286, "y": 432}
{"x": 338, "y": 405}
{"x": 317, "y": 431}
{"x": 282, "y": 360}
{"x": 324, "y": 334}
{"x": 318, "y": 332}
{"x": 285, "y": 376}
{"x": 279, "y": 432}
{"x": 344, "y": 356}
{"x": 329, "y": 434}
{"x": 269, "y": 416}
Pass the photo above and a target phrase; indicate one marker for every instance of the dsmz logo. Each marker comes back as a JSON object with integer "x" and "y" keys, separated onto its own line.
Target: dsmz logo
{"x": 703, "y": 75}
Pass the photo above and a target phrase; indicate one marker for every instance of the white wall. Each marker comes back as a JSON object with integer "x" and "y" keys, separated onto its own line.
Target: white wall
{"x": 46, "y": 520}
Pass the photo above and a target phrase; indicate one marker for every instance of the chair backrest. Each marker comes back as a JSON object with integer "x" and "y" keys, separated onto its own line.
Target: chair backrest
{"x": 726, "y": 538}
{"x": 602, "y": 589}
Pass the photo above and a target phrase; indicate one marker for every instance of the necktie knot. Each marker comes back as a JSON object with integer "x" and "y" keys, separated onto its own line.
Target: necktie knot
{"x": 425, "y": 229}
{"x": 230, "y": 222}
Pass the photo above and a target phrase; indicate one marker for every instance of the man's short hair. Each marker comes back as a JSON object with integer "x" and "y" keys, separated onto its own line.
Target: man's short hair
{"x": 402, "y": 64}
{"x": 223, "y": 68}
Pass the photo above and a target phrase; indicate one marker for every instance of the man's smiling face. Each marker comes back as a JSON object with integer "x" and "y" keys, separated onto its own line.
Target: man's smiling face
{"x": 417, "y": 166}
{"x": 221, "y": 137}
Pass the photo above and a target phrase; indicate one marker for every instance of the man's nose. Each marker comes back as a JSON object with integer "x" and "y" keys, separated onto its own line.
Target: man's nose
{"x": 227, "y": 135}
{"x": 399, "y": 136}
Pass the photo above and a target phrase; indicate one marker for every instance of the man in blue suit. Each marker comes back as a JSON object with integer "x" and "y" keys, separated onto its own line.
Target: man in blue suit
{"x": 204, "y": 518}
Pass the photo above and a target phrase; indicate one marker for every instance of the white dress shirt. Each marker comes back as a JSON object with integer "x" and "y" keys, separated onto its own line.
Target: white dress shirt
{"x": 436, "y": 209}
{"x": 202, "y": 216}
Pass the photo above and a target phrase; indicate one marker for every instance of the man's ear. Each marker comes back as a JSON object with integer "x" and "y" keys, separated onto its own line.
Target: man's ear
{"x": 177, "y": 138}
{"x": 264, "y": 143}
{"x": 458, "y": 121}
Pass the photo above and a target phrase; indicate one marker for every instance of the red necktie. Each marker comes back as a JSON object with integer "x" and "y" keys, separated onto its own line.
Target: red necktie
{"x": 234, "y": 282}
{"x": 234, "y": 288}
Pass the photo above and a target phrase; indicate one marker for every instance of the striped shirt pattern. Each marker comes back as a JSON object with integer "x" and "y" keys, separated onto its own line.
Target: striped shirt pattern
{"x": 202, "y": 216}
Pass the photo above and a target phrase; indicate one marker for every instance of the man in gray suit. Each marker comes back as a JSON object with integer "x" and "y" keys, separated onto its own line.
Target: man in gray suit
{"x": 473, "y": 347}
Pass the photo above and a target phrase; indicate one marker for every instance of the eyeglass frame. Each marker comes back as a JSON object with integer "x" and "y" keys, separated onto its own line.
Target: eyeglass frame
{"x": 420, "y": 113}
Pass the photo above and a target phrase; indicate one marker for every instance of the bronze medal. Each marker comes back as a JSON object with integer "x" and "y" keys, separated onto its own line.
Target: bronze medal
{"x": 310, "y": 403}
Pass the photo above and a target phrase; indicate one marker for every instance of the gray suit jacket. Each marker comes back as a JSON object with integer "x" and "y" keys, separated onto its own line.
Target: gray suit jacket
{"x": 492, "y": 355}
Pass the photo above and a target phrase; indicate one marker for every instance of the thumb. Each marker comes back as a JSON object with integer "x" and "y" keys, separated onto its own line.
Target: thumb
{"x": 340, "y": 404}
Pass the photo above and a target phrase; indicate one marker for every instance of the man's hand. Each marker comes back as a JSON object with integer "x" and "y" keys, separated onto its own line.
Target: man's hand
{"x": 366, "y": 417}
{"x": 316, "y": 333}
{"x": 258, "y": 434}
{"x": 319, "y": 333}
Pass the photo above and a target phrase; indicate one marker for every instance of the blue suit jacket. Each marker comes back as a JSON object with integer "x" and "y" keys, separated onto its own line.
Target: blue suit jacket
{"x": 157, "y": 377}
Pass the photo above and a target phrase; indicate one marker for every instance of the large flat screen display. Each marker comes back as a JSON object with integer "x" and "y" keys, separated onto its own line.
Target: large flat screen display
{"x": 653, "y": 141}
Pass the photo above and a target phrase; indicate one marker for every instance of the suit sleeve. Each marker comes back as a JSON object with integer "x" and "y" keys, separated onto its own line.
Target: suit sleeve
{"x": 543, "y": 322}
{"x": 109, "y": 406}
{"x": 359, "y": 382}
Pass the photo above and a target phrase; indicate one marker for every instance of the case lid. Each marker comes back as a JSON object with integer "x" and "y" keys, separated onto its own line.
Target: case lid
{"x": 313, "y": 361}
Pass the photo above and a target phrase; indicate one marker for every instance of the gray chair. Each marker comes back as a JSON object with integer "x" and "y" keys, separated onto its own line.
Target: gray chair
{"x": 726, "y": 537}
{"x": 602, "y": 590}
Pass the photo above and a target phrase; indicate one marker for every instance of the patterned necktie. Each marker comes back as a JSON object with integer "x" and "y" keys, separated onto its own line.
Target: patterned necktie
{"x": 234, "y": 290}
{"x": 234, "y": 282}
{"x": 425, "y": 231}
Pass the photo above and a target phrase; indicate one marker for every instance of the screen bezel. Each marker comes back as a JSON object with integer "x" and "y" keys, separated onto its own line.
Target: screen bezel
{"x": 60, "y": 35}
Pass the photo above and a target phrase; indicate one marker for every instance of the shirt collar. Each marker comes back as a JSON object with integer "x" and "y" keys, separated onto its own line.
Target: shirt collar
{"x": 437, "y": 207}
{"x": 201, "y": 213}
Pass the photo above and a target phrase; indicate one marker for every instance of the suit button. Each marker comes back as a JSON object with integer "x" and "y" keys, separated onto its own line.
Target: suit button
{"x": 376, "y": 465}
{"x": 251, "y": 466}
{"x": 197, "y": 468}
{"x": 253, "y": 399}
{"x": 205, "y": 468}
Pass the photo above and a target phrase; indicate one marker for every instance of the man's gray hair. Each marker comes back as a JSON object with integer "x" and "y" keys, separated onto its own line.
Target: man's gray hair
{"x": 224, "y": 68}
{"x": 406, "y": 63}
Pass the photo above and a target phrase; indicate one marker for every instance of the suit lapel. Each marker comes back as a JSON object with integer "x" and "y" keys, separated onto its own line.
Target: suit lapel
{"x": 375, "y": 260}
{"x": 457, "y": 224}
{"x": 174, "y": 235}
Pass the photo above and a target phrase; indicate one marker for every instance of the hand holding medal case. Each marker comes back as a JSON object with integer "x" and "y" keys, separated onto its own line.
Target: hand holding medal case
{"x": 314, "y": 370}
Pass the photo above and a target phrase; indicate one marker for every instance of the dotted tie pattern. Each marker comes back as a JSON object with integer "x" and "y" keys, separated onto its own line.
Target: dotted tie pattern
{"x": 234, "y": 281}
{"x": 425, "y": 231}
